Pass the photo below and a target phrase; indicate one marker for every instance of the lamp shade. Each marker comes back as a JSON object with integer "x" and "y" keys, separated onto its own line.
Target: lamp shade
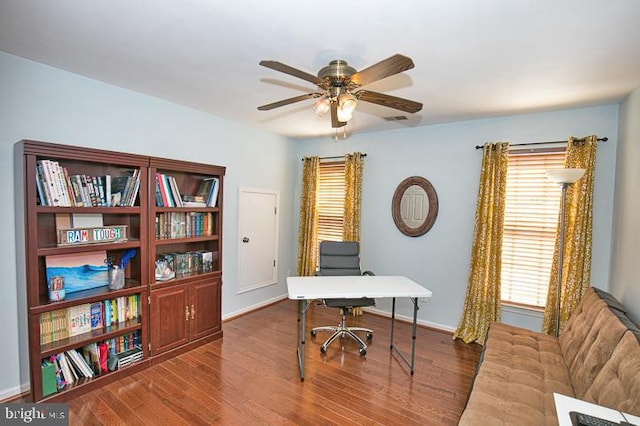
{"x": 565, "y": 175}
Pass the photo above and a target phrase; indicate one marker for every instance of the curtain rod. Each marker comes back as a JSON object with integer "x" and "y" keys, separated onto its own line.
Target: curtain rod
{"x": 363, "y": 154}
{"x": 604, "y": 139}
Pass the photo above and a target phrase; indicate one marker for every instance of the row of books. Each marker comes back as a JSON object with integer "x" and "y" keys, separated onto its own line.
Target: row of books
{"x": 56, "y": 187}
{"x": 168, "y": 193}
{"x": 88, "y": 361}
{"x": 170, "y": 265}
{"x": 63, "y": 323}
{"x": 183, "y": 225}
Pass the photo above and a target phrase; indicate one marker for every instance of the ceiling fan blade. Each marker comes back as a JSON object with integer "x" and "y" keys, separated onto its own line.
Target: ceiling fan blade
{"x": 284, "y": 102}
{"x": 279, "y": 66}
{"x": 383, "y": 69}
{"x": 334, "y": 116}
{"x": 389, "y": 101}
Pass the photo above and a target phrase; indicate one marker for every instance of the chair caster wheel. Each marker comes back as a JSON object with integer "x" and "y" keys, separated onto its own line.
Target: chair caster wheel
{"x": 369, "y": 336}
{"x": 363, "y": 352}
{"x": 323, "y": 350}
{"x": 313, "y": 333}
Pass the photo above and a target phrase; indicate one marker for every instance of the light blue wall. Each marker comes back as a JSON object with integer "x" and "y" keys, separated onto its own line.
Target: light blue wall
{"x": 625, "y": 280}
{"x": 44, "y": 103}
{"x": 445, "y": 155}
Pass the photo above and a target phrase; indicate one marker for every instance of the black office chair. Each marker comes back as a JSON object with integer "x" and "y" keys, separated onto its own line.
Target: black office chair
{"x": 339, "y": 259}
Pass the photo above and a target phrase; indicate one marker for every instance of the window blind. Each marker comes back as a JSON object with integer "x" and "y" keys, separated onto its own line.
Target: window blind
{"x": 530, "y": 224}
{"x": 331, "y": 201}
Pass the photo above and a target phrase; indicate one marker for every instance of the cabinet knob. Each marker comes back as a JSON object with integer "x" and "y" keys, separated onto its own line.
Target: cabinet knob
{"x": 186, "y": 313}
{"x": 245, "y": 240}
{"x": 193, "y": 312}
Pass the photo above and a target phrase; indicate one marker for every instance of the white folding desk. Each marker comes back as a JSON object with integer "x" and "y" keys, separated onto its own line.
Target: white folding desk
{"x": 566, "y": 404}
{"x": 306, "y": 289}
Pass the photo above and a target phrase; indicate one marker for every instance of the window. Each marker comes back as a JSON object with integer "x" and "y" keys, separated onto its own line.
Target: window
{"x": 331, "y": 201}
{"x": 530, "y": 224}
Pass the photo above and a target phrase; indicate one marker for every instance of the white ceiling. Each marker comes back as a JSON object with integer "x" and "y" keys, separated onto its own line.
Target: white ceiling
{"x": 473, "y": 58}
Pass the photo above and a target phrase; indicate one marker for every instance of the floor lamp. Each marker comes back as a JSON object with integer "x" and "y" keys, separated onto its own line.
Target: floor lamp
{"x": 564, "y": 177}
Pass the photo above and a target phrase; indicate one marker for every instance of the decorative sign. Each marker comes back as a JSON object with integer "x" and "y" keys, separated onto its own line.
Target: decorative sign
{"x": 80, "y": 236}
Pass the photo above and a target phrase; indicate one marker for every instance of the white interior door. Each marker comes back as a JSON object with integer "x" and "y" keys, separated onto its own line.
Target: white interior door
{"x": 258, "y": 233}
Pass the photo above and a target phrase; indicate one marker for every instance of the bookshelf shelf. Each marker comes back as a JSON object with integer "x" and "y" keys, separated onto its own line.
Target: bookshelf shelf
{"x": 91, "y": 191}
{"x": 93, "y": 336}
{"x": 169, "y": 241}
{"x": 87, "y": 210}
{"x": 88, "y": 296}
{"x": 81, "y": 248}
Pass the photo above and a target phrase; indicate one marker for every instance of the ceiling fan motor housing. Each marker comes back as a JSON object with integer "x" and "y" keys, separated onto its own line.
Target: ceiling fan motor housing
{"x": 337, "y": 71}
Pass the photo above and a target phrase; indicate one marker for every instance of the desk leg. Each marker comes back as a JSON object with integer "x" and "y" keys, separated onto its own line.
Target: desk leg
{"x": 411, "y": 364}
{"x": 393, "y": 320}
{"x": 300, "y": 338}
{"x": 414, "y": 332}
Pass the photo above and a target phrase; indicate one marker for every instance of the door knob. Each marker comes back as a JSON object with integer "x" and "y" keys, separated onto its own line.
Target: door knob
{"x": 245, "y": 240}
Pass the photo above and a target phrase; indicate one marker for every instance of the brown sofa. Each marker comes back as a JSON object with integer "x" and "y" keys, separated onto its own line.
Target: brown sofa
{"x": 596, "y": 359}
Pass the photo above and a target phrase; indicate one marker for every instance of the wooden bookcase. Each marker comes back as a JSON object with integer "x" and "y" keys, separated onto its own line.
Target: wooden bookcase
{"x": 185, "y": 311}
{"x": 164, "y": 324}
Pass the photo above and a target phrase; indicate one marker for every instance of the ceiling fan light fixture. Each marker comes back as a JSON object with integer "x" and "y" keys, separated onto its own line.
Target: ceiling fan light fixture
{"x": 344, "y": 115}
{"x": 321, "y": 106}
{"x": 347, "y": 102}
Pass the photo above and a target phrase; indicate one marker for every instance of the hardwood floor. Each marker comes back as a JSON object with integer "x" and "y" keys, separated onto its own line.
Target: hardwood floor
{"x": 251, "y": 377}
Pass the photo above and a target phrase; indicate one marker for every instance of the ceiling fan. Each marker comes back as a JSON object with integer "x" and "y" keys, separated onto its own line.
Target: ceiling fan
{"x": 339, "y": 87}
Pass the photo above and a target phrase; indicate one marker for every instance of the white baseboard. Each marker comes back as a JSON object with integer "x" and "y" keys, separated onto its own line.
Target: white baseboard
{"x": 386, "y": 314}
{"x": 408, "y": 319}
{"x": 232, "y": 315}
{"x": 14, "y": 391}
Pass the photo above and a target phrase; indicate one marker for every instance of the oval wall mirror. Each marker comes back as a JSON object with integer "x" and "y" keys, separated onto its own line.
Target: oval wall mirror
{"x": 414, "y": 206}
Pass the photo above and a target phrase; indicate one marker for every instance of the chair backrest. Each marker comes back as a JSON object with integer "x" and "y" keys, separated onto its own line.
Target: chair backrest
{"x": 339, "y": 258}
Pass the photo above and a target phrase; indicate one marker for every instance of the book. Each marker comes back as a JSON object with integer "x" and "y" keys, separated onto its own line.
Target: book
{"x": 48, "y": 378}
{"x": 91, "y": 355}
{"x": 204, "y": 189}
{"x": 213, "y": 196}
{"x": 175, "y": 191}
{"x": 66, "y": 370}
{"x": 97, "y": 315}
{"x": 41, "y": 185}
{"x": 103, "y": 355}
{"x": 79, "y": 319}
{"x": 79, "y": 363}
{"x": 159, "y": 200}
{"x": 133, "y": 195}
{"x": 120, "y": 186}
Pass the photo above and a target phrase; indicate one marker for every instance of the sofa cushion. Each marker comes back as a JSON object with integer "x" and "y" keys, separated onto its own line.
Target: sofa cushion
{"x": 519, "y": 373}
{"x": 595, "y": 350}
{"x": 617, "y": 385}
{"x": 579, "y": 325}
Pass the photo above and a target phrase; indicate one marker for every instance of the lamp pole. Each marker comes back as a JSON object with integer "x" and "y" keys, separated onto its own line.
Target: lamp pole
{"x": 560, "y": 257}
{"x": 564, "y": 177}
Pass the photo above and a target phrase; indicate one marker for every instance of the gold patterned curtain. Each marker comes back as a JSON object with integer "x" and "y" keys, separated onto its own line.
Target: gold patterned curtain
{"x": 576, "y": 268}
{"x": 482, "y": 302}
{"x": 353, "y": 166}
{"x": 308, "y": 228}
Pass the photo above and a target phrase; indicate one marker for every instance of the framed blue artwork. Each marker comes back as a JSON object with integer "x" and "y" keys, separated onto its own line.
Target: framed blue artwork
{"x": 79, "y": 271}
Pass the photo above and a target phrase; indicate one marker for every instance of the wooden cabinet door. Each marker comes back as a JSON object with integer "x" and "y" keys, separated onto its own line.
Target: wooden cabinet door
{"x": 205, "y": 299}
{"x": 170, "y": 318}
